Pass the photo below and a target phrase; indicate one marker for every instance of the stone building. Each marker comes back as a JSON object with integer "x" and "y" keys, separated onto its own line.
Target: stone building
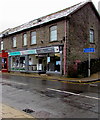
{"x": 53, "y": 43}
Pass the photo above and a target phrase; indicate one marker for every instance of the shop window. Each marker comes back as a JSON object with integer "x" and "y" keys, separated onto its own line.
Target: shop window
{"x": 1, "y": 45}
{"x": 53, "y": 33}
{"x": 33, "y": 38}
{"x": 25, "y": 39}
{"x": 15, "y": 62}
{"x": 14, "y": 41}
{"x": 54, "y": 62}
{"x": 22, "y": 62}
{"x": 18, "y": 63}
{"x": 33, "y": 63}
{"x": 91, "y": 36}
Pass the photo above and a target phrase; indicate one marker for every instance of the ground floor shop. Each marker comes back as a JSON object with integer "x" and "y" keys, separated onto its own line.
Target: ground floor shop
{"x": 4, "y": 61}
{"x": 40, "y": 60}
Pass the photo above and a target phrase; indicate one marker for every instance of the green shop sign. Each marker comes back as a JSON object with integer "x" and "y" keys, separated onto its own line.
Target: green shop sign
{"x": 25, "y": 52}
{"x": 14, "y": 53}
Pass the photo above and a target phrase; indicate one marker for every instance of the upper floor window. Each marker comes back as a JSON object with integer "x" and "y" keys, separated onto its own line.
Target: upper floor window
{"x": 25, "y": 39}
{"x": 53, "y": 33}
{"x": 33, "y": 38}
{"x": 1, "y": 45}
{"x": 91, "y": 36}
{"x": 14, "y": 41}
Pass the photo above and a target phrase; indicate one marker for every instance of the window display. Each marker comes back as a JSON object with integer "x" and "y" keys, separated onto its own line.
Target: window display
{"x": 18, "y": 63}
{"x": 33, "y": 61}
{"x": 54, "y": 63}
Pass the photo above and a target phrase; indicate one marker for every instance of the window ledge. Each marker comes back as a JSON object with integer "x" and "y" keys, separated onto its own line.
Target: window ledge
{"x": 53, "y": 41}
{"x": 92, "y": 43}
{"x": 32, "y": 44}
{"x": 24, "y": 45}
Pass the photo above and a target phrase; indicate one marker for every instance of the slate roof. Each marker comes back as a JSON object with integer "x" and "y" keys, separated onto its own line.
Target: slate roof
{"x": 46, "y": 19}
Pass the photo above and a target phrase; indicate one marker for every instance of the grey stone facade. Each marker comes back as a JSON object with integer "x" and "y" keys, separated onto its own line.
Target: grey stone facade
{"x": 74, "y": 29}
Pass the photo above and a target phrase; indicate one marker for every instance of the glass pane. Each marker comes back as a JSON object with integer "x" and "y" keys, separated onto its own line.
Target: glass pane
{"x": 33, "y": 38}
{"x": 25, "y": 39}
{"x": 91, "y": 36}
{"x": 53, "y": 33}
{"x": 14, "y": 41}
{"x": 1, "y": 45}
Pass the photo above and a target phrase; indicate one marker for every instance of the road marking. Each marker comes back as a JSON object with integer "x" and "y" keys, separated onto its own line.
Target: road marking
{"x": 7, "y": 81}
{"x": 74, "y": 94}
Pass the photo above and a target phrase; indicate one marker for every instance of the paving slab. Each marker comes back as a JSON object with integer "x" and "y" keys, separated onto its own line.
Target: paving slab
{"x": 9, "y": 112}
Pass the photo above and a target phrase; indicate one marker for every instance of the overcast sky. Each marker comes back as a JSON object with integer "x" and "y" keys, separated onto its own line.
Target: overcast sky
{"x": 17, "y": 12}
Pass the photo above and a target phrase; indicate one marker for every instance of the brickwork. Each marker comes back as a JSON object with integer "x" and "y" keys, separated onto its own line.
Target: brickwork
{"x": 80, "y": 24}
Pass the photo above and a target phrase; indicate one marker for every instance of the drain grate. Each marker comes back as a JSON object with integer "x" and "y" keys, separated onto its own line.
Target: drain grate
{"x": 28, "y": 111}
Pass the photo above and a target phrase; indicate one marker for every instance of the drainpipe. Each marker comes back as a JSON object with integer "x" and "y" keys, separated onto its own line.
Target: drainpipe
{"x": 66, "y": 29}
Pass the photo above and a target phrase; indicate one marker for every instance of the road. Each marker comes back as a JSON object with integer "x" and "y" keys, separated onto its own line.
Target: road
{"x": 49, "y": 98}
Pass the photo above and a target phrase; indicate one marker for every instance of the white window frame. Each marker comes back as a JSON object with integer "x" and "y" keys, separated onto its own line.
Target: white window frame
{"x": 33, "y": 38}
{"x": 91, "y": 36}
{"x": 2, "y": 45}
{"x": 53, "y": 33}
{"x": 14, "y": 41}
{"x": 24, "y": 39}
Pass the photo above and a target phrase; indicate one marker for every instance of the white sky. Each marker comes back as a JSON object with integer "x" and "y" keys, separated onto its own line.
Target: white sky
{"x": 17, "y": 12}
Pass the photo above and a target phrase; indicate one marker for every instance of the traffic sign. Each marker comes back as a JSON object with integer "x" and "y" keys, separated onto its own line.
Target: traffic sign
{"x": 89, "y": 50}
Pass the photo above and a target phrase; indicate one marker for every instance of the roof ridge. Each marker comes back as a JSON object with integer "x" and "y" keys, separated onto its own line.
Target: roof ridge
{"x": 56, "y": 15}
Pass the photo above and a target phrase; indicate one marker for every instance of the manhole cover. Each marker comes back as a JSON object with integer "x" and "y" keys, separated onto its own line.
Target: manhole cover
{"x": 28, "y": 111}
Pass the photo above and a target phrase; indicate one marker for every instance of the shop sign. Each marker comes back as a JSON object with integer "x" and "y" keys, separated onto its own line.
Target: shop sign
{"x": 89, "y": 50}
{"x": 14, "y": 53}
{"x": 56, "y": 49}
{"x": 48, "y": 50}
{"x": 26, "y": 52}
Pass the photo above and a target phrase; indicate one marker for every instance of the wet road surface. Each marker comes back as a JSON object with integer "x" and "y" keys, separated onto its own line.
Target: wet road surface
{"x": 49, "y": 99}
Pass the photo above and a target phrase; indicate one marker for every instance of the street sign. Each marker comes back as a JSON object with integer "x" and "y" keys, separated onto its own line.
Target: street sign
{"x": 89, "y": 50}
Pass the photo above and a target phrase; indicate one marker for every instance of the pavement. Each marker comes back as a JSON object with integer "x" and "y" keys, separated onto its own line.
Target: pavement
{"x": 9, "y": 112}
{"x": 92, "y": 79}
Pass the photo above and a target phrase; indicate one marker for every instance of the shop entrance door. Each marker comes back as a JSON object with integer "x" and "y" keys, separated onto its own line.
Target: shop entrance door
{"x": 4, "y": 64}
{"x": 43, "y": 64}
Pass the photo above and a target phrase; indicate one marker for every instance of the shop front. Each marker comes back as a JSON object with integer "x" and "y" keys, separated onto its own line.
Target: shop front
{"x": 4, "y": 61}
{"x": 21, "y": 60}
{"x": 40, "y": 60}
{"x": 50, "y": 60}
